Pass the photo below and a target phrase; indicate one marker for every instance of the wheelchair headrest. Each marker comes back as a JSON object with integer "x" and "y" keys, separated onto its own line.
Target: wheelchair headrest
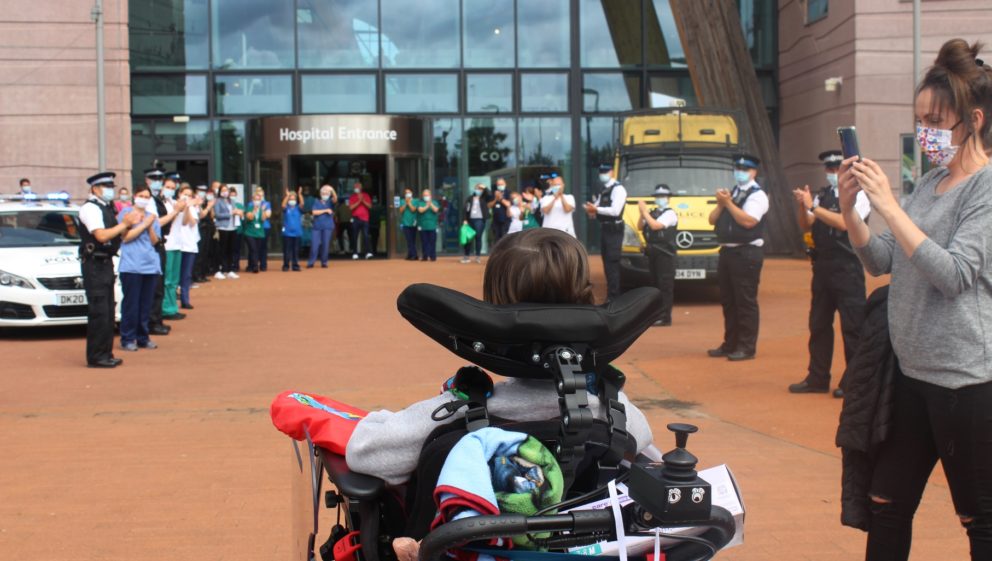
{"x": 503, "y": 339}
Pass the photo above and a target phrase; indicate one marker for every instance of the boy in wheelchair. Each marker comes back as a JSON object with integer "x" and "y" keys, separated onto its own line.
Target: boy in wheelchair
{"x": 538, "y": 327}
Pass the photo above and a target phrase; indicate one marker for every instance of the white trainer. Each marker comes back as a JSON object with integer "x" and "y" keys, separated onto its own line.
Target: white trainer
{"x": 220, "y": 276}
{"x": 354, "y": 256}
{"x": 368, "y": 256}
{"x": 233, "y": 275}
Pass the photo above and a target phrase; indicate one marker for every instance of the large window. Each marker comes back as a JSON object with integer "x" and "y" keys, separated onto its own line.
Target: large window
{"x": 229, "y": 152}
{"x": 544, "y": 93}
{"x": 662, "y": 45}
{"x": 816, "y": 10}
{"x": 421, "y": 93}
{"x": 168, "y": 34}
{"x": 421, "y": 34}
{"x": 339, "y": 93}
{"x": 338, "y": 33}
{"x": 253, "y": 34}
{"x": 610, "y": 33}
{"x": 664, "y": 89}
{"x": 253, "y": 95}
{"x": 489, "y": 93}
{"x": 183, "y": 94}
{"x": 543, "y": 33}
{"x": 488, "y": 33}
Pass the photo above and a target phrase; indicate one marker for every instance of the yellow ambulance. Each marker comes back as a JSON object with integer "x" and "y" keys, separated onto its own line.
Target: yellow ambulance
{"x": 690, "y": 150}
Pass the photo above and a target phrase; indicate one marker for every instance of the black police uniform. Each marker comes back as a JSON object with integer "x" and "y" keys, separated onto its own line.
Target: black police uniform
{"x": 738, "y": 273}
{"x": 660, "y": 251}
{"x": 838, "y": 286}
{"x": 156, "y": 325}
{"x": 611, "y": 240}
{"x": 205, "y": 249}
{"x": 98, "y": 281}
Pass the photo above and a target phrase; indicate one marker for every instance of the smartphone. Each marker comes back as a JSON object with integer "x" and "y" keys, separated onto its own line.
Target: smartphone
{"x": 849, "y": 142}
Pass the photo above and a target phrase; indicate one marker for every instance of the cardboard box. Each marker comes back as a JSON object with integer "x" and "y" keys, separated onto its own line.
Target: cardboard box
{"x": 726, "y": 494}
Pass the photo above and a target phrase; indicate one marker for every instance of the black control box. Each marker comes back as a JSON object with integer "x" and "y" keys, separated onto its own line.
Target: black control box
{"x": 671, "y": 491}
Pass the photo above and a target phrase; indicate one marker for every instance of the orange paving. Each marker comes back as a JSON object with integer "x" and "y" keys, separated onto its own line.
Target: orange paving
{"x": 172, "y": 455}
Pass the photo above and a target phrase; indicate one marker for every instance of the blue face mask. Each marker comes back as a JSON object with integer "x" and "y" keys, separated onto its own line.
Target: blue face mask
{"x": 156, "y": 187}
{"x": 742, "y": 176}
{"x": 168, "y": 193}
{"x": 107, "y": 194}
{"x": 662, "y": 202}
{"x": 832, "y": 179}
{"x": 478, "y": 193}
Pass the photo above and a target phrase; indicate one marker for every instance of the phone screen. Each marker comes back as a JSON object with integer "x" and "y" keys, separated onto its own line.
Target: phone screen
{"x": 849, "y": 142}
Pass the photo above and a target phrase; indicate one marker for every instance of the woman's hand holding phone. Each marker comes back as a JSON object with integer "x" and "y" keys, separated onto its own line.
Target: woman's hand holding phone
{"x": 875, "y": 184}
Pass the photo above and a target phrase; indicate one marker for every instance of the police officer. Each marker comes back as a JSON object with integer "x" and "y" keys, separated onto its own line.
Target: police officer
{"x": 607, "y": 209}
{"x": 838, "y": 277}
{"x": 100, "y": 238}
{"x": 739, "y": 223}
{"x": 659, "y": 226}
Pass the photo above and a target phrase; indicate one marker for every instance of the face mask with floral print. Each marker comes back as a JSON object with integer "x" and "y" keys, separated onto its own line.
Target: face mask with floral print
{"x": 936, "y": 144}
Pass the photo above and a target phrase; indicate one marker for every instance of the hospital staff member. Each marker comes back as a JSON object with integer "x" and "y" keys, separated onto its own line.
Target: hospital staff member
{"x": 100, "y": 239}
{"x": 739, "y": 223}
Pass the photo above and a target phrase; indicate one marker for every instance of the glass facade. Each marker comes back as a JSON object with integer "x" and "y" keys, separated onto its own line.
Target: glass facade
{"x": 515, "y": 88}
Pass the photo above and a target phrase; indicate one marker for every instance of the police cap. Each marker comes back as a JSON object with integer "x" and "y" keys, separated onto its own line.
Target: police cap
{"x": 102, "y": 178}
{"x": 154, "y": 173}
{"x": 831, "y": 158}
{"x": 174, "y": 175}
{"x": 605, "y": 168}
{"x": 662, "y": 190}
{"x": 746, "y": 161}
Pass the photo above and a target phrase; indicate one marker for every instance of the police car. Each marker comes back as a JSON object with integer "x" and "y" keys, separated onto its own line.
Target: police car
{"x": 40, "y": 278}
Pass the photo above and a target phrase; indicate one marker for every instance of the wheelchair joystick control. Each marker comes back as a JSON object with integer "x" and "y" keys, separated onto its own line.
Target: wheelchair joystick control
{"x": 672, "y": 491}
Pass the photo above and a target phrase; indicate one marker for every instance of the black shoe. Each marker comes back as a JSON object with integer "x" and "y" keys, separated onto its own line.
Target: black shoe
{"x": 309, "y": 265}
{"x": 663, "y": 323}
{"x": 839, "y": 393}
{"x": 285, "y": 268}
{"x": 433, "y": 258}
{"x": 739, "y": 355}
{"x": 805, "y": 387}
{"x": 323, "y": 265}
{"x": 105, "y": 363}
{"x": 159, "y": 330}
{"x": 117, "y": 361}
{"x": 174, "y": 317}
{"x": 186, "y": 306}
{"x": 718, "y": 352}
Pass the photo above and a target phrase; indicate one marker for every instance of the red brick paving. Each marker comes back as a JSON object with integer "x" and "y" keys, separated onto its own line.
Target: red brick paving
{"x": 172, "y": 456}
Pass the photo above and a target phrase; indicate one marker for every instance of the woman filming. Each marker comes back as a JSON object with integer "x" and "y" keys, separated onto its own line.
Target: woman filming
{"x": 939, "y": 306}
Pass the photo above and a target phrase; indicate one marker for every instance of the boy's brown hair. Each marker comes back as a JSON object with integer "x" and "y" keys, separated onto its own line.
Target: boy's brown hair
{"x": 539, "y": 265}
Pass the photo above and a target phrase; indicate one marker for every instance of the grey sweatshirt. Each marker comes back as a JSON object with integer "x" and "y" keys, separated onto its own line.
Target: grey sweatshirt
{"x": 387, "y": 444}
{"x": 940, "y": 299}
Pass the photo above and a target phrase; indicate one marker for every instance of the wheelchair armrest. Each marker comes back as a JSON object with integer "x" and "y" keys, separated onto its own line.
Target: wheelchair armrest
{"x": 350, "y": 484}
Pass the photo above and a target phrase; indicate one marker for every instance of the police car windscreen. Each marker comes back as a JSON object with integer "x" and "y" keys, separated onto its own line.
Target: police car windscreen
{"x": 686, "y": 177}
{"x": 38, "y": 228}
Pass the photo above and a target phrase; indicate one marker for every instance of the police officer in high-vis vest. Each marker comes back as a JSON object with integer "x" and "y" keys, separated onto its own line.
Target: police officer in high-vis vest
{"x": 838, "y": 277}
{"x": 607, "y": 209}
{"x": 739, "y": 223}
{"x": 100, "y": 238}
{"x": 659, "y": 226}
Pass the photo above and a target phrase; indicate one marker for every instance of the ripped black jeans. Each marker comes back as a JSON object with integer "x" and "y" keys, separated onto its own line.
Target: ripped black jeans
{"x": 930, "y": 423}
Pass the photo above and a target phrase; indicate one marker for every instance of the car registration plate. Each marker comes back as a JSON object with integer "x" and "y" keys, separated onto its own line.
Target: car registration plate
{"x": 690, "y": 274}
{"x": 71, "y": 299}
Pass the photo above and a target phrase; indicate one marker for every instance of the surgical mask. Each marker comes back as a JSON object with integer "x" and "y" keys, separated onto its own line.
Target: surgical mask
{"x": 125, "y": 197}
{"x": 553, "y": 191}
{"x": 225, "y": 195}
{"x": 168, "y": 193}
{"x": 325, "y": 197}
{"x": 210, "y": 197}
{"x": 356, "y": 190}
{"x": 478, "y": 193}
{"x": 936, "y": 144}
{"x": 408, "y": 196}
{"x": 742, "y": 176}
{"x": 26, "y": 189}
{"x": 156, "y": 187}
{"x": 107, "y": 194}
{"x": 427, "y": 198}
{"x": 662, "y": 202}
{"x": 605, "y": 177}
{"x": 501, "y": 188}
{"x": 516, "y": 202}
{"x": 292, "y": 202}
{"x": 832, "y": 179}
{"x": 257, "y": 202}
{"x": 141, "y": 203}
